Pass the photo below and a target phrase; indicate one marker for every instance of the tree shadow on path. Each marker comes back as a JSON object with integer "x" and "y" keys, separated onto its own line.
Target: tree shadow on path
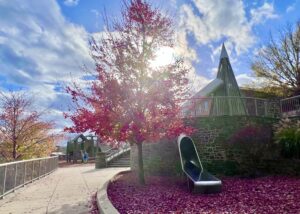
{"x": 70, "y": 209}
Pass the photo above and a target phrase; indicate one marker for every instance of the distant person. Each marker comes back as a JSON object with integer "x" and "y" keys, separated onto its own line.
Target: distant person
{"x": 82, "y": 156}
{"x": 85, "y": 157}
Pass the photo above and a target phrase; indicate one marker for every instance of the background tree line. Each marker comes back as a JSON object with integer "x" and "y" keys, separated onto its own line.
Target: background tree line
{"x": 23, "y": 132}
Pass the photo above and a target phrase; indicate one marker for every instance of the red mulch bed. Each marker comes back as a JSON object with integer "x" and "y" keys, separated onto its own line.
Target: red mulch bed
{"x": 164, "y": 195}
{"x": 93, "y": 206}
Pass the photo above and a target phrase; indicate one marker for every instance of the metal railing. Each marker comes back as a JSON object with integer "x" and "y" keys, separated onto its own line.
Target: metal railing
{"x": 290, "y": 107}
{"x": 115, "y": 153}
{"x": 231, "y": 106}
{"x": 14, "y": 175}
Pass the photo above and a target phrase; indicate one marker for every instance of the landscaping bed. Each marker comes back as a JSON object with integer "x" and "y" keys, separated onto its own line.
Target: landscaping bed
{"x": 93, "y": 206}
{"x": 272, "y": 194}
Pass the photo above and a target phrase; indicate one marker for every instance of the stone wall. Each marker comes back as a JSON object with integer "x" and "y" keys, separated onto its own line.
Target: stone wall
{"x": 213, "y": 133}
{"x": 159, "y": 158}
{"x": 208, "y": 149}
{"x": 211, "y": 136}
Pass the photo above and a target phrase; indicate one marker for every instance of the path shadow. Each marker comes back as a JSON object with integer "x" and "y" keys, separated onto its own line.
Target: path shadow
{"x": 79, "y": 164}
{"x": 93, "y": 170}
{"x": 96, "y": 170}
{"x": 70, "y": 209}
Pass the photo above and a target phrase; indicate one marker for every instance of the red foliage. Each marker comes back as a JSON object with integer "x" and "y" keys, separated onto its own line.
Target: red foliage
{"x": 252, "y": 134}
{"x": 130, "y": 100}
{"x": 164, "y": 195}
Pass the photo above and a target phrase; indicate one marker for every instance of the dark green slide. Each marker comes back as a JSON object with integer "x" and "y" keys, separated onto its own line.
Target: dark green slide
{"x": 203, "y": 182}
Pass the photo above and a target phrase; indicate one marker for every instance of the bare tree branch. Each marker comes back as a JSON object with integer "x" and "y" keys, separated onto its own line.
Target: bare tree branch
{"x": 278, "y": 62}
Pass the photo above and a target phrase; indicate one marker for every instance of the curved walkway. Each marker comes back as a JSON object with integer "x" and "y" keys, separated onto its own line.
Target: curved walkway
{"x": 67, "y": 190}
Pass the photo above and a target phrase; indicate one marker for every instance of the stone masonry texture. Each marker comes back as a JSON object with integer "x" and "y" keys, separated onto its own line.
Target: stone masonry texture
{"x": 210, "y": 138}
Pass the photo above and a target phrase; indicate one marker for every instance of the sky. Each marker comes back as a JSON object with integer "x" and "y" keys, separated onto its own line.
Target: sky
{"x": 44, "y": 43}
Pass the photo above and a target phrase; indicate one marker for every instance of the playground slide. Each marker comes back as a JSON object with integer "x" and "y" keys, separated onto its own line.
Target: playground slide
{"x": 203, "y": 182}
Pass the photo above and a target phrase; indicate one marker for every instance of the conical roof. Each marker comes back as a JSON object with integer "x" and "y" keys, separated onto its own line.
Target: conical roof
{"x": 228, "y": 95}
{"x": 224, "y": 91}
{"x": 225, "y": 73}
{"x": 223, "y": 52}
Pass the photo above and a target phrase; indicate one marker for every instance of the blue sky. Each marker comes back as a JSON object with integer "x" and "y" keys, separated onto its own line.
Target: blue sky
{"x": 43, "y": 43}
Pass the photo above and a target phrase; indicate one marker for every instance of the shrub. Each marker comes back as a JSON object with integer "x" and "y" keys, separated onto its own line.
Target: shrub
{"x": 222, "y": 167}
{"x": 249, "y": 146}
{"x": 287, "y": 135}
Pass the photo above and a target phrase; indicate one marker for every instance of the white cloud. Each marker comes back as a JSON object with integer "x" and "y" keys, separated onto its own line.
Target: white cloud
{"x": 291, "y": 7}
{"x": 218, "y": 20}
{"x": 183, "y": 49}
{"x": 214, "y": 71}
{"x": 40, "y": 49}
{"x": 71, "y": 2}
{"x": 189, "y": 54}
{"x": 245, "y": 79}
{"x": 197, "y": 82}
{"x": 52, "y": 52}
{"x": 212, "y": 20}
{"x": 263, "y": 13}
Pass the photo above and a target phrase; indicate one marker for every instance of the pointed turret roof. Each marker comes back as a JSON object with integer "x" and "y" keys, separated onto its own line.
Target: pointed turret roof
{"x": 225, "y": 73}
{"x": 229, "y": 88}
{"x": 227, "y": 98}
{"x": 223, "y": 52}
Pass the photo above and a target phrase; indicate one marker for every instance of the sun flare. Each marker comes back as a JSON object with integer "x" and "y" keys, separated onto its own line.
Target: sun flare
{"x": 164, "y": 56}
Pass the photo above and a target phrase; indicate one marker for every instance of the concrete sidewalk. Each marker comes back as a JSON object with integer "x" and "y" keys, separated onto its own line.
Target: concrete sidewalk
{"x": 65, "y": 191}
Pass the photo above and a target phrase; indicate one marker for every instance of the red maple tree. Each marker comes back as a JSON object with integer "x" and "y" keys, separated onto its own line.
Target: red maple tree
{"x": 130, "y": 99}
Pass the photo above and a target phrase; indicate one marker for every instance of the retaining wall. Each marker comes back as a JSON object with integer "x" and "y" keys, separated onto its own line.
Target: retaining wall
{"x": 211, "y": 136}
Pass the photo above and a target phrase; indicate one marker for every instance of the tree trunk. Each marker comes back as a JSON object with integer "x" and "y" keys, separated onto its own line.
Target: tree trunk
{"x": 14, "y": 152}
{"x": 140, "y": 164}
{"x": 297, "y": 89}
